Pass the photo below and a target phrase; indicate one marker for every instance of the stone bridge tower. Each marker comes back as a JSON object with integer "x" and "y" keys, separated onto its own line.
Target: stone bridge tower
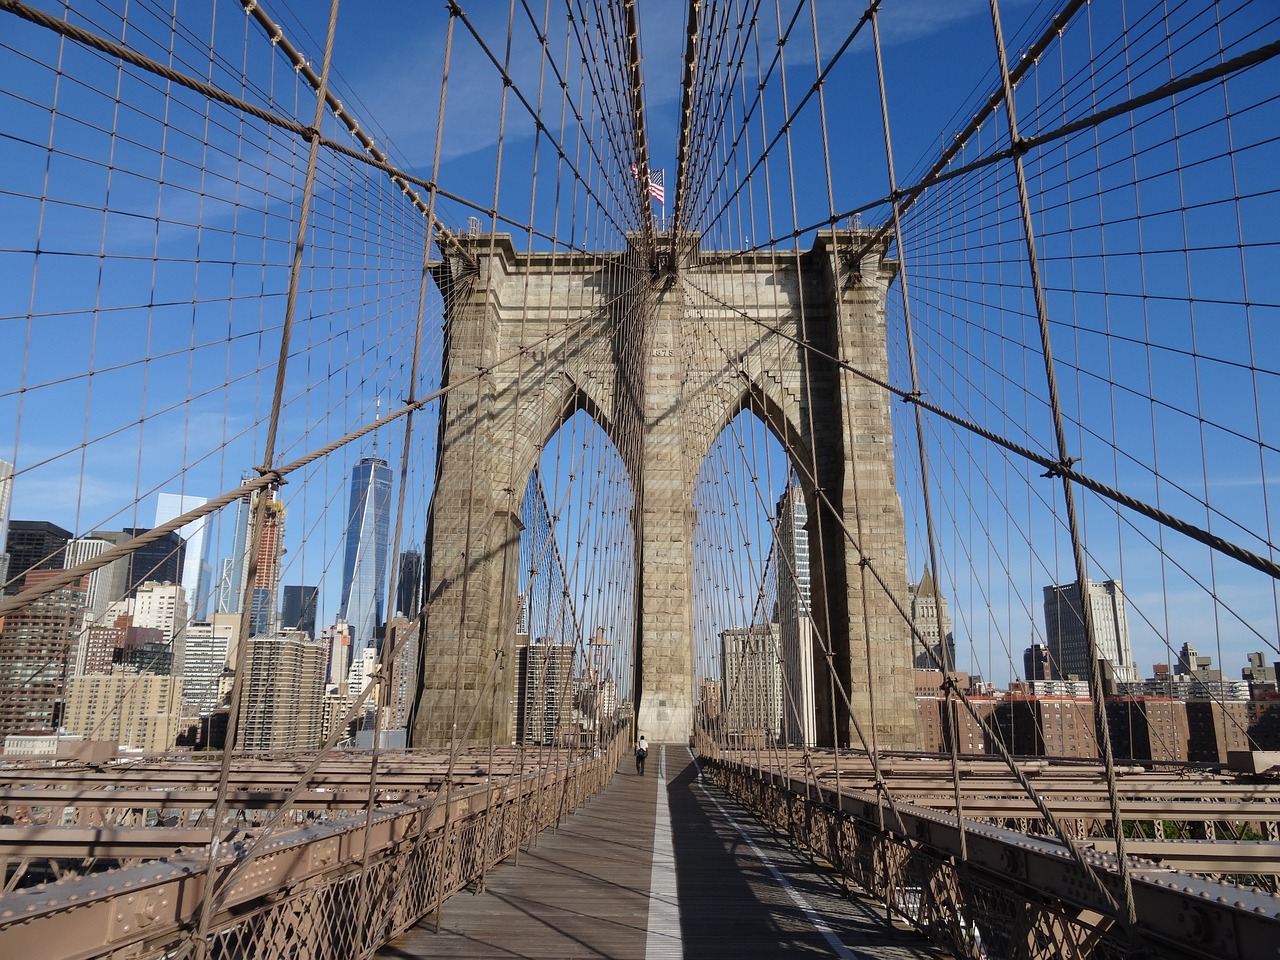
{"x": 543, "y": 335}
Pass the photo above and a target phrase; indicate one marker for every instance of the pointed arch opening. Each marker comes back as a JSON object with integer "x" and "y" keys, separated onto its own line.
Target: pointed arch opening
{"x": 575, "y": 612}
{"x": 752, "y": 574}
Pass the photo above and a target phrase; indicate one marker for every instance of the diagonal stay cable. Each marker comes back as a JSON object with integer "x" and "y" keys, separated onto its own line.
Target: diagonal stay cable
{"x": 120, "y": 52}
{"x": 274, "y": 475}
{"x": 868, "y": 564}
{"x": 1053, "y": 468}
{"x": 910, "y": 194}
{"x": 456, "y": 10}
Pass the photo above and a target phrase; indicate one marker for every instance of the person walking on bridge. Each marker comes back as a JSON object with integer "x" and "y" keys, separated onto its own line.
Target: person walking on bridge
{"x": 642, "y": 751}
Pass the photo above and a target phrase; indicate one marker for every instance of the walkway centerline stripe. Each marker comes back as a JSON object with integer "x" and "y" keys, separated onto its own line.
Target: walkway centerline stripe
{"x": 664, "y": 940}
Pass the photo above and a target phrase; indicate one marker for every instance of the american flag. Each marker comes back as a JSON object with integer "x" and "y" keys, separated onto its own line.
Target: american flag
{"x": 657, "y": 189}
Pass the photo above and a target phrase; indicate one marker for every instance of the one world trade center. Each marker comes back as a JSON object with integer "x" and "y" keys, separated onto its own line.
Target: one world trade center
{"x": 364, "y": 566}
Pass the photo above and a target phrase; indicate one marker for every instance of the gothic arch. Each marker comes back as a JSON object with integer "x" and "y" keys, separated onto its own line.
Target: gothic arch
{"x": 766, "y": 407}
{"x": 626, "y": 359}
{"x": 560, "y": 400}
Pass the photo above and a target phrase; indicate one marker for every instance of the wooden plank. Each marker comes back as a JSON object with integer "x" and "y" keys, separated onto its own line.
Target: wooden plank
{"x": 584, "y": 889}
{"x": 580, "y": 891}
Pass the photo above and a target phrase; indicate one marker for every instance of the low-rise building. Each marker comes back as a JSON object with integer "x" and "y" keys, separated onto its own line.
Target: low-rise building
{"x": 1148, "y": 728}
{"x": 1047, "y": 726}
{"x": 138, "y": 710}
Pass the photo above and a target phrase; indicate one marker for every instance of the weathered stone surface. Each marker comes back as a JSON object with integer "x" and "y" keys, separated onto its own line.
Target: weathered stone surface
{"x": 663, "y": 367}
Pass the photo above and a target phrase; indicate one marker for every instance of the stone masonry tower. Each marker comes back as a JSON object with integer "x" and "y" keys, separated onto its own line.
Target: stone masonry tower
{"x": 663, "y": 351}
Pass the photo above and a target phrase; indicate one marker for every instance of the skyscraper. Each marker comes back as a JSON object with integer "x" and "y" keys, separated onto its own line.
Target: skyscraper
{"x": 106, "y": 585}
{"x": 364, "y": 565}
{"x": 1069, "y": 644}
{"x": 155, "y": 624}
{"x": 163, "y": 607}
{"x": 402, "y": 633}
{"x": 197, "y": 565}
{"x": 233, "y": 589}
{"x": 935, "y": 647}
{"x": 1035, "y": 663}
{"x": 795, "y": 621}
{"x": 265, "y": 594}
{"x": 339, "y": 652}
{"x": 209, "y": 645}
{"x": 159, "y": 561}
{"x": 100, "y": 645}
{"x": 6, "y": 493}
{"x": 232, "y": 570}
{"x": 751, "y": 678}
{"x": 298, "y": 609}
{"x": 409, "y": 584}
{"x": 545, "y": 706}
{"x": 282, "y": 702}
{"x": 33, "y": 545}
{"x": 6, "y": 497}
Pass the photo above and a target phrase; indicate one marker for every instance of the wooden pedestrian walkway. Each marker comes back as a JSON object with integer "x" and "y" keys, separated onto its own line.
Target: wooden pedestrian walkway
{"x": 659, "y": 866}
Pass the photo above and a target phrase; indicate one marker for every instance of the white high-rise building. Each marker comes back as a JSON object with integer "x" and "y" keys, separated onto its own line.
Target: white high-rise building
{"x": 105, "y": 586}
{"x": 795, "y": 620}
{"x": 363, "y": 666}
{"x": 1065, "y": 633}
{"x": 163, "y": 607}
{"x": 197, "y": 565}
{"x": 339, "y": 652}
{"x": 209, "y": 647}
{"x": 6, "y": 496}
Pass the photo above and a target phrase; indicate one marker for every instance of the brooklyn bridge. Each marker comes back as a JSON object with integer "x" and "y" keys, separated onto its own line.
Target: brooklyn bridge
{"x": 410, "y": 414}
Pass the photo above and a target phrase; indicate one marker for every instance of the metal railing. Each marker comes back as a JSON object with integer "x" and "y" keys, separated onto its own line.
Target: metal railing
{"x": 325, "y": 889}
{"x": 1015, "y": 895}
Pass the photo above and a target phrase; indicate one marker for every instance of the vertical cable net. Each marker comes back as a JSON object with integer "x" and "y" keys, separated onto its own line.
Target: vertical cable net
{"x": 252, "y": 268}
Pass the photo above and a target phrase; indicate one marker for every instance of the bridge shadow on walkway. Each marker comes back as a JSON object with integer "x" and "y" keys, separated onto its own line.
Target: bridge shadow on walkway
{"x": 636, "y": 874}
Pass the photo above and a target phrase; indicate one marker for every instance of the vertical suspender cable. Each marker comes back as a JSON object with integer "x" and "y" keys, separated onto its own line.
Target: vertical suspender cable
{"x": 201, "y": 931}
{"x": 1073, "y": 522}
{"x": 930, "y": 533}
{"x": 363, "y": 929}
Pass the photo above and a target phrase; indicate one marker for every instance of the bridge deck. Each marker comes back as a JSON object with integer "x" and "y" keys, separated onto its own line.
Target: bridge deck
{"x": 646, "y": 873}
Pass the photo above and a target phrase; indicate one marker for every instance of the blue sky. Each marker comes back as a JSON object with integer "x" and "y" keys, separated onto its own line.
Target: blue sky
{"x": 147, "y": 362}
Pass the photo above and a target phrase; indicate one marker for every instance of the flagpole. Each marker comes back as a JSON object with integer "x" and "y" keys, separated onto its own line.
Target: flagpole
{"x": 663, "y": 202}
